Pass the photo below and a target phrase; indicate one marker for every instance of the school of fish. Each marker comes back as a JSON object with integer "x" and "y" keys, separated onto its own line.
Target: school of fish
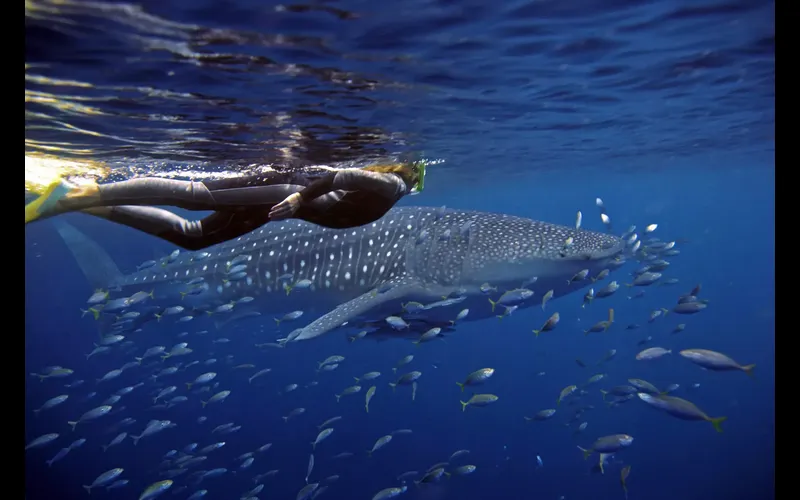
{"x": 180, "y": 375}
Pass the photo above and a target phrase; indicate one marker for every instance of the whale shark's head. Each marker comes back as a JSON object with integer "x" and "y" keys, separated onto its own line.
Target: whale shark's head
{"x": 506, "y": 247}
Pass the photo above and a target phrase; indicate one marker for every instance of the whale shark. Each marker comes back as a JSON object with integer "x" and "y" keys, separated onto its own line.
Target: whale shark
{"x": 447, "y": 260}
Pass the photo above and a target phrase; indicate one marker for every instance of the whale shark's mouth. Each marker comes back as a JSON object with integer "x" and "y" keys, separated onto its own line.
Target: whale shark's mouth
{"x": 610, "y": 251}
{"x": 613, "y": 248}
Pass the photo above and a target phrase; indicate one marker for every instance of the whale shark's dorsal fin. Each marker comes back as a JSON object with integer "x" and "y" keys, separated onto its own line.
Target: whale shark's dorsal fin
{"x": 396, "y": 289}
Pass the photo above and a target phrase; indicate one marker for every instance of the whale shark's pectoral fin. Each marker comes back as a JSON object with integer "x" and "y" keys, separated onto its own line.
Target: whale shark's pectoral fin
{"x": 397, "y": 289}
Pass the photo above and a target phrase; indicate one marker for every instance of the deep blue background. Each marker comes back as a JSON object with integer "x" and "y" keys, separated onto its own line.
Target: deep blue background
{"x": 693, "y": 152}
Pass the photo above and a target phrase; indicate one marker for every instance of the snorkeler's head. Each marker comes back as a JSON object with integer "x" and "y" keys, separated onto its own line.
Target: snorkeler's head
{"x": 412, "y": 173}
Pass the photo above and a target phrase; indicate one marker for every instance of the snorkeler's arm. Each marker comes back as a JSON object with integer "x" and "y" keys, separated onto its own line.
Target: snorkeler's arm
{"x": 319, "y": 187}
{"x": 354, "y": 179}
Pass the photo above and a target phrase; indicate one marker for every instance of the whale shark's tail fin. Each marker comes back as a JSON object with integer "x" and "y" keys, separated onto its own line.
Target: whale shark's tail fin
{"x": 97, "y": 266}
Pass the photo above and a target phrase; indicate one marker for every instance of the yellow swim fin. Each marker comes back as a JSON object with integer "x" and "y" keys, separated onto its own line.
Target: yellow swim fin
{"x": 54, "y": 192}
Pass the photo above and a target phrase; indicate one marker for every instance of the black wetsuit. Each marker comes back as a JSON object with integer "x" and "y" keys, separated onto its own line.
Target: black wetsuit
{"x": 337, "y": 199}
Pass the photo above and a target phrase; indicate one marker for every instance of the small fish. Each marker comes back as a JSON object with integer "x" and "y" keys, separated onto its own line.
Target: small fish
{"x": 652, "y": 353}
{"x": 201, "y": 379}
{"x": 323, "y": 434}
{"x": 55, "y": 372}
{"x": 429, "y": 335}
{"x": 52, "y": 402}
{"x": 370, "y": 394}
{"x": 567, "y": 245}
{"x": 461, "y": 315}
{"x": 104, "y": 479}
{"x": 63, "y": 452}
{"x": 464, "y": 470}
{"x": 368, "y": 376}
{"x": 670, "y": 389}
{"x": 655, "y": 314}
{"x": 336, "y": 359}
{"x": 607, "y": 290}
{"x": 156, "y": 489}
{"x": 512, "y": 297}
{"x": 712, "y": 360}
{"x": 619, "y": 390}
{"x": 432, "y": 476}
{"x": 606, "y": 446}
{"x": 117, "y": 440}
{"x": 349, "y": 390}
{"x": 406, "y": 360}
{"x": 380, "y": 443}
{"x": 548, "y": 325}
{"x": 645, "y": 279}
{"x": 231, "y": 278}
{"x": 689, "y": 307}
{"x": 407, "y": 379}
{"x": 119, "y": 483}
{"x": 258, "y": 374}
{"x": 609, "y": 355}
{"x": 300, "y": 285}
{"x": 288, "y": 317}
{"x": 546, "y": 298}
{"x": 91, "y": 415}
{"x": 139, "y": 297}
{"x": 479, "y": 400}
{"x": 542, "y": 415}
{"x": 625, "y": 472}
{"x": 42, "y": 440}
{"x": 387, "y": 493}
{"x": 579, "y": 276}
{"x": 566, "y": 391}
{"x": 588, "y": 298}
{"x": 216, "y": 398}
{"x": 601, "y": 326}
{"x": 397, "y": 323}
{"x": 97, "y": 297}
{"x": 359, "y": 335}
{"x": 680, "y": 408}
{"x": 643, "y": 386}
{"x": 595, "y": 378}
{"x": 478, "y": 377}
{"x": 294, "y": 413}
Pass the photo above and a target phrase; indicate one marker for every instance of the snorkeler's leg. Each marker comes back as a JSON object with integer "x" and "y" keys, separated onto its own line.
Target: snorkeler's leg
{"x": 188, "y": 234}
{"x": 147, "y": 191}
{"x": 266, "y": 188}
{"x": 144, "y": 191}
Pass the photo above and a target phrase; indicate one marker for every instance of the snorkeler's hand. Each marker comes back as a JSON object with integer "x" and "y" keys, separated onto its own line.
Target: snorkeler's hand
{"x": 286, "y": 208}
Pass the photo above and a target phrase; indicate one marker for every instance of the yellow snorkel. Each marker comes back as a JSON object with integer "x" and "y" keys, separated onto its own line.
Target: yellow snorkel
{"x": 419, "y": 166}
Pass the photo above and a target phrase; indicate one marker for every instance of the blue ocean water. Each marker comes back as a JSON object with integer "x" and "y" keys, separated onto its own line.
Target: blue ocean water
{"x": 665, "y": 110}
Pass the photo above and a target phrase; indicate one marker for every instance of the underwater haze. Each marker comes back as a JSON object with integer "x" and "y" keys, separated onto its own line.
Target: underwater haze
{"x": 654, "y": 120}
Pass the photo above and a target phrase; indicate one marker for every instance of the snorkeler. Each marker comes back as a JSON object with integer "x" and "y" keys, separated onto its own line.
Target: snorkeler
{"x": 339, "y": 199}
